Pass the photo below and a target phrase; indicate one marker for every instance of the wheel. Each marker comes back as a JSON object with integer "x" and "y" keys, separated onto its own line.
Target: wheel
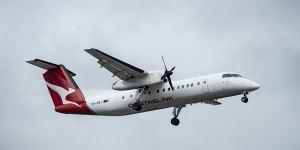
{"x": 175, "y": 121}
{"x": 245, "y": 99}
{"x": 137, "y": 106}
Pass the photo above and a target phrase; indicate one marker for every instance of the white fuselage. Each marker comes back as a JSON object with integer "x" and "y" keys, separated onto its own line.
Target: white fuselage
{"x": 158, "y": 96}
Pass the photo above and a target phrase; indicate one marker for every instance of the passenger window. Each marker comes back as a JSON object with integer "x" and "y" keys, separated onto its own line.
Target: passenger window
{"x": 131, "y": 96}
{"x": 198, "y": 83}
{"x": 157, "y": 91}
{"x": 178, "y": 87}
{"x": 192, "y": 84}
{"x": 187, "y": 85}
{"x": 169, "y": 89}
{"x": 204, "y": 82}
{"x": 163, "y": 89}
{"x": 182, "y": 86}
{"x": 123, "y": 97}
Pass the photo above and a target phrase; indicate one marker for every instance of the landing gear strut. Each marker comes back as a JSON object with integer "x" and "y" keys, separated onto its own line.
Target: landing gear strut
{"x": 137, "y": 106}
{"x": 245, "y": 98}
{"x": 175, "y": 121}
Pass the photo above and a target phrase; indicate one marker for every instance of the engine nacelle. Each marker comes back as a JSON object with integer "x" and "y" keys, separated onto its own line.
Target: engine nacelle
{"x": 152, "y": 77}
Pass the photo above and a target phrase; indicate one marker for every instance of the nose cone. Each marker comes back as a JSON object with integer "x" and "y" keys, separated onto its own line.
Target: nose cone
{"x": 252, "y": 86}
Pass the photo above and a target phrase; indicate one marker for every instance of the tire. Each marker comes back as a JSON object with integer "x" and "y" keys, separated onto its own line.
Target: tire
{"x": 244, "y": 99}
{"x": 175, "y": 121}
{"x": 137, "y": 107}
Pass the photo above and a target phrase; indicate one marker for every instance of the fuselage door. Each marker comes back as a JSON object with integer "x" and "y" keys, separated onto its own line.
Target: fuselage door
{"x": 205, "y": 86}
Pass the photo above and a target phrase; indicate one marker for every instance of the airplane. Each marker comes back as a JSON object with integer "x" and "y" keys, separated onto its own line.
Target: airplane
{"x": 137, "y": 90}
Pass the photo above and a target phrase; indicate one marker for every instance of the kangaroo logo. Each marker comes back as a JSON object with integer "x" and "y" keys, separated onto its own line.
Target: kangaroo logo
{"x": 62, "y": 93}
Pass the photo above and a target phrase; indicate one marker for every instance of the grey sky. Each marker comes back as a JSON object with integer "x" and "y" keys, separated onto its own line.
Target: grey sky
{"x": 258, "y": 39}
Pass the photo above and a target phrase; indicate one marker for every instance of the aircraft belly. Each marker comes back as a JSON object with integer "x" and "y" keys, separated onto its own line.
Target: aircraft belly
{"x": 120, "y": 108}
{"x": 113, "y": 109}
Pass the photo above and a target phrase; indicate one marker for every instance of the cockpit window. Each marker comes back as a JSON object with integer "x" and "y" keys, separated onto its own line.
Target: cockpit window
{"x": 226, "y": 75}
{"x": 231, "y": 75}
{"x": 236, "y": 75}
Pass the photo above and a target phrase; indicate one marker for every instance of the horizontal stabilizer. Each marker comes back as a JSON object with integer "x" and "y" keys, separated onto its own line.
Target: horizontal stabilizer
{"x": 47, "y": 65}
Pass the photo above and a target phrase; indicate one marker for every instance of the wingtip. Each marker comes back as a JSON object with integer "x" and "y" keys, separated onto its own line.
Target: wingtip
{"x": 31, "y": 61}
{"x": 90, "y": 49}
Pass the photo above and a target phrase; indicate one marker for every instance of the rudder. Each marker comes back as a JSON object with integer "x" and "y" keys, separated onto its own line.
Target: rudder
{"x": 65, "y": 93}
{"x": 62, "y": 87}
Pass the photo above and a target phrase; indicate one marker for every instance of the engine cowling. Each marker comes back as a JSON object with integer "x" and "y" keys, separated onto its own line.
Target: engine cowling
{"x": 153, "y": 77}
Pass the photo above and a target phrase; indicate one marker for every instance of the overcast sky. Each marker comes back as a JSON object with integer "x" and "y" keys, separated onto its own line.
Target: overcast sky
{"x": 258, "y": 39}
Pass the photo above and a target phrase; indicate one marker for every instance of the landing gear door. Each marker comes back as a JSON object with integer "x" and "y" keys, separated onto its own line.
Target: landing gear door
{"x": 205, "y": 86}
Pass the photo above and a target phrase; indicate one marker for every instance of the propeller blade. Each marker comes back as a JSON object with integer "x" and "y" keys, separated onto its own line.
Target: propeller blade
{"x": 170, "y": 82}
{"x": 172, "y": 69}
{"x": 168, "y": 74}
{"x": 164, "y": 63}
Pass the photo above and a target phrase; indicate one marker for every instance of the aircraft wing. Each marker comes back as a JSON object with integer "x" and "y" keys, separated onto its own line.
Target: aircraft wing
{"x": 212, "y": 102}
{"x": 117, "y": 67}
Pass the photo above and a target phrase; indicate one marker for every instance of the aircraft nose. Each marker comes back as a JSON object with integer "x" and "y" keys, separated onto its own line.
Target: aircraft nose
{"x": 253, "y": 86}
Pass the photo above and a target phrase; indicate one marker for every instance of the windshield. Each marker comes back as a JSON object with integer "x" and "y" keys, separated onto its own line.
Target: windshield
{"x": 231, "y": 75}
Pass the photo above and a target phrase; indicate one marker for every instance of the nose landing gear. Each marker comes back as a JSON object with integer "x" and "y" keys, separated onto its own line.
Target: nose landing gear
{"x": 245, "y": 98}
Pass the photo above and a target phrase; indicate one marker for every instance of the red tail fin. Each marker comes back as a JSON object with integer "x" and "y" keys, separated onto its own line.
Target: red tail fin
{"x": 65, "y": 93}
{"x": 62, "y": 87}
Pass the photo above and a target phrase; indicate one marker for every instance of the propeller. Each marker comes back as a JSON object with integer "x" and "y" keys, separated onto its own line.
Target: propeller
{"x": 168, "y": 74}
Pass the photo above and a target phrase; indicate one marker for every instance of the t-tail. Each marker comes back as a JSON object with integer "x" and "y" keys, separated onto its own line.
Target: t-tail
{"x": 65, "y": 93}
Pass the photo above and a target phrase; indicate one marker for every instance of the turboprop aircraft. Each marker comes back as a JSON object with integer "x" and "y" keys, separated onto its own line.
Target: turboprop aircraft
{"x": 138, "y": 90}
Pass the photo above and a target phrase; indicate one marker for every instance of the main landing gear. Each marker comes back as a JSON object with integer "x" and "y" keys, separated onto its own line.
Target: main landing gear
{"x": 175, "y": 121}
{"x": 137, "y": 106}
{"x": 245, "y": 98}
